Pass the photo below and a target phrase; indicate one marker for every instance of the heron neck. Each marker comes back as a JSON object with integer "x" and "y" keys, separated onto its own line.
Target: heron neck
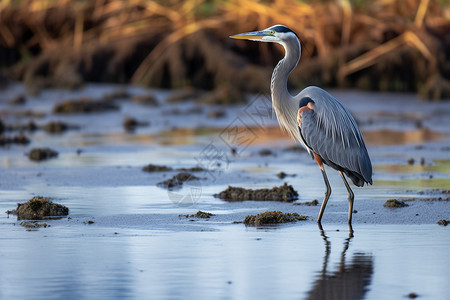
{"x": 280, "y": 75}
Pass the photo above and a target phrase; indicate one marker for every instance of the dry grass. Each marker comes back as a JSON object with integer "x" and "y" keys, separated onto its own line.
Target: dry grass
{"x": 380, "y": 44}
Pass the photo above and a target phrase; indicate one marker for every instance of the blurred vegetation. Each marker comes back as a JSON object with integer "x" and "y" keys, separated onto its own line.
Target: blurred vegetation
{"x": 395, "y": 45}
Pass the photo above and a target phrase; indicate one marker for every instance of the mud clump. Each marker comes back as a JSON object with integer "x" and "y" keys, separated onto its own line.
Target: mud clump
{"x": 394, "y": 203}
{"x": 177, "y": 180}
{"x": 443, "y": 222}
{"x": 266, "y": 152}
{"x": 283, "y": 175}
{"x": 156, "y": 168}
{"x": 39, "y": 208}
{"x": 200, "y": 214}
{"x": 17, "y": 139}
{"x": 38, "y": 154}
{"x": 84, "y": 105}
{"x": 273, "y": 218}
{"x": 57, "y": 127}
{"x": 130, "y": 124}
{"x": 284, "y": 193}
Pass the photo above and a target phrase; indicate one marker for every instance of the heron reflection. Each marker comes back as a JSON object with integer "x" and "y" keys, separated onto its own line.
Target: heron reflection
{"x": 350, "y": 281}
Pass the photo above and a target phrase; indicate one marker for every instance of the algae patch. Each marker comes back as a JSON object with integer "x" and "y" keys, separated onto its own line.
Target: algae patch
{"x": 284, "y": 193}
{"x": 199, "y": 214}
{"x": 272, "y": 218}
{"x": 394, "y": 203}
{"x": 39, "y": 208}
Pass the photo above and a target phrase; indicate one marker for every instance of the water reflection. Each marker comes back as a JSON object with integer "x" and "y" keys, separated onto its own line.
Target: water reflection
{"x": 350, "y": 281}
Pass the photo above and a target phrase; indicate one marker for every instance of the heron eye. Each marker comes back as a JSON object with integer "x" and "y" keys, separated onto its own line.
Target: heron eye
{"x": 272, "y": 32}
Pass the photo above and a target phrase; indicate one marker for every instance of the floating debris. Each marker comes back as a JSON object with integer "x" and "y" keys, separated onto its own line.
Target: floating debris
{"x": 156, "y": 168}
{"x": 443, "y": 222}
{"x": 273, "y": 217}
{"x": 39, "y": 208}
{"x": 38, "y": 154}
{"x": 84, "y": 105}
{"x": 394, "y": 203}
{"x": 283, "y": 193}
{"x": 199, "y": 214}
{"x": 177, "y": 180}
{"x": 17, "y": 139}
{"x": 312, "y": 203}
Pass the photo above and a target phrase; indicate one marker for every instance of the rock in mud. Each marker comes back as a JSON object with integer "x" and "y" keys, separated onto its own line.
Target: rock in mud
{"x": 33, "y": 225}
{"x": 394, "y": 203}
{"x": 177, "y": 180}
{"x": 272, "y": 218}
{"x": 38, "y": 154}
{"x": 193, "y": 169}
{"x": 156, "y": 168}
{"x": 39, "y": 208}
{"x": 199, "y": 214}
{"x": 443, "y": 222}
{"x": 84, "y": 105}
{"x": 284, "y": 193}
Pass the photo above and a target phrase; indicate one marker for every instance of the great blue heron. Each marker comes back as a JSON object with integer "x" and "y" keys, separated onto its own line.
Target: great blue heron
{"x": 323, "y": 126}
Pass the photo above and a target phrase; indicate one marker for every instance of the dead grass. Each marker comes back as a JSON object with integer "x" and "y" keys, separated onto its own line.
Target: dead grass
{"x": 380, "y": 45}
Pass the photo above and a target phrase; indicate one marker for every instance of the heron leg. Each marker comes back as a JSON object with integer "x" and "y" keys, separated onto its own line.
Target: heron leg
{"x": 351, "y": 197}
{"x": 327, "y": 184}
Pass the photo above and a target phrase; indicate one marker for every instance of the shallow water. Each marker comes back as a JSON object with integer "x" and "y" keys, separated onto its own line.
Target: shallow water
{"x": 139, "y": 246}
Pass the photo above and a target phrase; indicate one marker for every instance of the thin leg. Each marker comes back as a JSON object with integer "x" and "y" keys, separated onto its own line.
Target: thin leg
{"x": 351, "y": 197}
{"x": 327, "y": 195}
{"x": 327, "y": 184}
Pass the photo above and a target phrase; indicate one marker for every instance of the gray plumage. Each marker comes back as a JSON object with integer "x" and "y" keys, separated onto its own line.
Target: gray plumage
{"x": 327, "y": 130}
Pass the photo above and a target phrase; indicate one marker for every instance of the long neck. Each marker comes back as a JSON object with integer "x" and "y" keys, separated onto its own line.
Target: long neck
{"x": 283, "y": 102}
{"x": 280, "y": 75}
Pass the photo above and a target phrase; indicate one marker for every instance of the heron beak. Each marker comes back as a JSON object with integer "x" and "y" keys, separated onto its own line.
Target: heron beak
{"x": 254, "y": 35}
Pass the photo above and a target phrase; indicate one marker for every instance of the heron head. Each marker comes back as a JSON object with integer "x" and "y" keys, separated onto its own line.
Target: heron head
{"x": 273, "y": 34}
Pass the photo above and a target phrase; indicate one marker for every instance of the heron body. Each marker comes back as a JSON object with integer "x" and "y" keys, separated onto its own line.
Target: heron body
{"x": 318, "y": 121}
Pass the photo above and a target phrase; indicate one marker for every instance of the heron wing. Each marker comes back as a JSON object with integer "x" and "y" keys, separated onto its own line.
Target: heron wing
{"x": 331, "y": 131}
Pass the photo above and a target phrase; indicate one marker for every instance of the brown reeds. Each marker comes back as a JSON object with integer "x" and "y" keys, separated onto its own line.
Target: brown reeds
{"x": 379, "y": 45}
